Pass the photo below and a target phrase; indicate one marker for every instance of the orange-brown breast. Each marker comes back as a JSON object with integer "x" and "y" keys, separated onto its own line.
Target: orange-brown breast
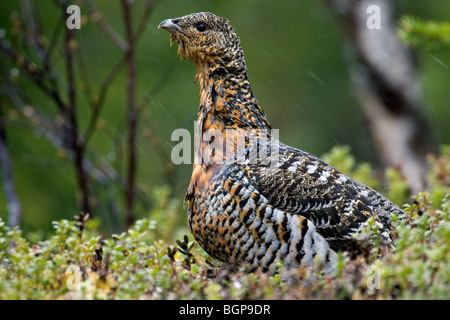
{"x": 210, "y": 127}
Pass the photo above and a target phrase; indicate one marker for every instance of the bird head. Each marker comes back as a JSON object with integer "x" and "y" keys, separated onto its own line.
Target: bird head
{"x": 211, "y": 43}
{"x": 205, "y": 39}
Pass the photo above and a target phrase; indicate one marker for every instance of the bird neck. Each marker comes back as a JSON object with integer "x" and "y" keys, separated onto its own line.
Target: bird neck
{"x": 226, "y": 94}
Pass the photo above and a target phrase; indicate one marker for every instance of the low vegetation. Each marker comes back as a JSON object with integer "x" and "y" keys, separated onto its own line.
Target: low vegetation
{"x": 76, "y": 262}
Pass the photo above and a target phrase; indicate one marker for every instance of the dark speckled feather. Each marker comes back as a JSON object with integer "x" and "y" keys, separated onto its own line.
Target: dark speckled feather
{"x": 251, "y": 198}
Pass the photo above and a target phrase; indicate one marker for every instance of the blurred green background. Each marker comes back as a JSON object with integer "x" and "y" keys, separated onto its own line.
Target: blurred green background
{"x": 295, "y": 53}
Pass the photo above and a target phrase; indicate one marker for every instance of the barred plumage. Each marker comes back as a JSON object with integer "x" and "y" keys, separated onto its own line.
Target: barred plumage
{"x": 253, "y": 199}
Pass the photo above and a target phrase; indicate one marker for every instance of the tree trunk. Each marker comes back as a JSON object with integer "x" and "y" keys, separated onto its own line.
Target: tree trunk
{"x": 384, "y": 74}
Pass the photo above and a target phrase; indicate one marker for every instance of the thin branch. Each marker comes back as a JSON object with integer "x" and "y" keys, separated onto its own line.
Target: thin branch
{"x": 36, "y": 74}
{"x": 98, "y": 104}
{"x": 13, "y": 204}
{"x": 76, "y": 144}
{"x": 52, "y": 45}
{"x": 97, "y": 17}
{"x": 31, "y": 16}
{"x": 149, "y": 8}
{"x": 67, "y": 134}
{"x": 132, "y": 114}
{"x": 106, "y": 28}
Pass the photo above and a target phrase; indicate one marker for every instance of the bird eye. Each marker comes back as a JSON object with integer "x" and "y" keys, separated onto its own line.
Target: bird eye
{"x": 201, "y": 27}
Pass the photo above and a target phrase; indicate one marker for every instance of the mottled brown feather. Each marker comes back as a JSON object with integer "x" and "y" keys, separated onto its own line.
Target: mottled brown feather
{"x": 285, "y": 204}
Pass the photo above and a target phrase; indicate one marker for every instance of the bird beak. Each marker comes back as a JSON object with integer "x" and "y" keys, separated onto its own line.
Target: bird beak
{"x": 170, "y": 26}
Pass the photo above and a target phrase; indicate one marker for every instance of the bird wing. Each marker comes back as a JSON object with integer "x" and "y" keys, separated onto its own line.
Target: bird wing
{"x": 259, "y": 233}
{"x": 299, "y": 183}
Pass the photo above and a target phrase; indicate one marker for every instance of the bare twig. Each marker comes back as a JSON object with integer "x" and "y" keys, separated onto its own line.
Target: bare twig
{"x": 149, "y": 7}
{"x": 77, "y": 146}
{"x": 132, "y": 113}
{"x": 12, "y": 200}
{"x": 99, "y": 102}
{"x": 123, "y": 46}
{"x": 31, "y": 16}
{"x": 109, "y": 32}
{"x": 81, "y": 223}
{"x": 37, "y": 59}
{"x": 36, "y": 74}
